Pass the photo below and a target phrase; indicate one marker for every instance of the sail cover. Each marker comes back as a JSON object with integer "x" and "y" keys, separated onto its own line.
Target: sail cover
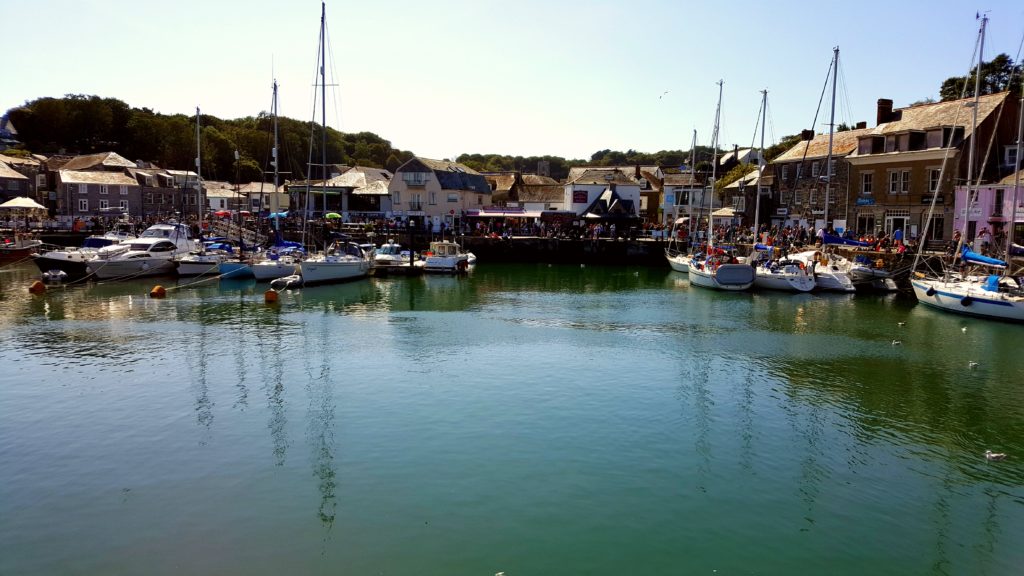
{"x": 833, "y": 239}
{"x": 970, "y": 257}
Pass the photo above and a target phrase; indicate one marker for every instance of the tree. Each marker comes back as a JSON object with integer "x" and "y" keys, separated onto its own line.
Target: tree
{"x": 995, "y": 77}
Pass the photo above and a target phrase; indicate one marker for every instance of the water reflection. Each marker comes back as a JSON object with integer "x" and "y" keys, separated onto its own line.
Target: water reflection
{"x": 320, "y": 421}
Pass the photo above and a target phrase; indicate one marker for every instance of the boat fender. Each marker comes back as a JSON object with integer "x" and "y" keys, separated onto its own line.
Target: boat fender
{"x": 930, "y": 291}
{"x": 37, "y": 287}
{"x": 966, "y": 301}
{"x": 158, "y": 291}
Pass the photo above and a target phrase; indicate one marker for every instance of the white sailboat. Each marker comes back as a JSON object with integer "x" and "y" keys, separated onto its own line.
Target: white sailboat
{"x": 975, "y": 289}
{"x": 341, "y": 260}
{"x": 717, "y": 269}
{"x": 769, "y": 273}
{"x": 201, "y": 261}
{"x": 676, "y": 253}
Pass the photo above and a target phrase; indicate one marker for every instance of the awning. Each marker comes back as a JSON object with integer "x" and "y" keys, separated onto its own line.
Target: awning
{"x": 724, "y": 213}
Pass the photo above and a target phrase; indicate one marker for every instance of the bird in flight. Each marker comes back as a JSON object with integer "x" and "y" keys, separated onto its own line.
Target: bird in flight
{"x": 663, "y": 94}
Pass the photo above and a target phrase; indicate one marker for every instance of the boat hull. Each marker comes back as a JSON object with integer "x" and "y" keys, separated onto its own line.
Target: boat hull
{"x": 235, "y": 270}
{"x": 72, "y": 263}
{"x": 268, "y": 270}
{"x": 199, "y": 265}
{"x": 968, "y": 298}
{"x": 729, "y": 277}
{"x": 679, "y": 262}
{"x": 327, "y": 271}
{"x": 784, "y": 281}
{"x": 18, "y": 251}
{"x": 132, "y": 268}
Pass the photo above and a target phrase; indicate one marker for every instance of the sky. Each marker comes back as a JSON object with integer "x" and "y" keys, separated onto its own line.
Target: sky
{"x": 532, "y": 77}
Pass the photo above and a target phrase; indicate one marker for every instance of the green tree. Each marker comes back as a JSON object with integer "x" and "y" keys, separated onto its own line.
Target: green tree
{"x": 996, "y": 76}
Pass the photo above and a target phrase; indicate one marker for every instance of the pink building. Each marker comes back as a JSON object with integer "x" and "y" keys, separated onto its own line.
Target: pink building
{"x": 993, "y": 209}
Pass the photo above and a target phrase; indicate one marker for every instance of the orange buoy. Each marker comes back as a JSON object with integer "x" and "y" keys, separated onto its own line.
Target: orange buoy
{"x": 270, "y": 297}
{"x": 158, "y": 291}
{"x": 37, "y": 287}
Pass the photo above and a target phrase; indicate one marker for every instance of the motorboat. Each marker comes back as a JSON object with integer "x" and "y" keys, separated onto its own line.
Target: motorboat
{"x": 151, "y": 254}
{"x": 18, "y": 248}
{"x": 342, "y": 260}
{"x": 446, "y": 257}
{"x": 391, "y": 258}
{"x": 74, "y": 260}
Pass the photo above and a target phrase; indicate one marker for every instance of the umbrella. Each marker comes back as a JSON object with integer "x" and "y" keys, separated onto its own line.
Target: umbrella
{"x": 332, "y": 215}
{"x": 22, "y": 203}
{"x": 222, "y": 213}
{"x": 278, "y": 215}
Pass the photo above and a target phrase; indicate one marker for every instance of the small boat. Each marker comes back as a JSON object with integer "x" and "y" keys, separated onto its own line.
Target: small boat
{"x": 18, "y": 248}
{"x": 277, "y": 263}
{"x": 390, "y": 258}
{"x": 207, "y": 260}
{"x": 151, "y": 254}
{"x": 289, "y": 282}
{"x": 719, "y": 272}
{"x": 446, "y": 258}
{"x": 828, "y": 271}
{"x": 54, "y": 276}
{"x": 784, "y": 274}
{"x": 341, "y": 261}
{"x": 74, "y": 261}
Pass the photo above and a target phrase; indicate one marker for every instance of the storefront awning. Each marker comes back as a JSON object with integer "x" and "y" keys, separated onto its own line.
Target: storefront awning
{"x": 492, "y": 213}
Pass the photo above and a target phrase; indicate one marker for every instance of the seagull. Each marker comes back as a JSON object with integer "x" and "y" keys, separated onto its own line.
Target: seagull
{"x": 901, "y": 323}
{"x": 994, "y": 456}
{"x": 972, "y": 364}
{"x": 964, "y": 329}
{"x": 663, "y": 94}
{"x": 896, "y": 342}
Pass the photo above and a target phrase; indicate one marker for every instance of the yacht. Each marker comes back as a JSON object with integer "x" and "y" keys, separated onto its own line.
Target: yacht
{"x": 446, "y": 257}
{"x": 151, "y": 254}
{"x": 341, "y": 261}
{"x": 74, "y": 260}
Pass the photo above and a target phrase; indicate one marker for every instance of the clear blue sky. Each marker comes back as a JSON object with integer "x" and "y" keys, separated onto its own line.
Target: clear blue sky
{"x": 532, "y": 77}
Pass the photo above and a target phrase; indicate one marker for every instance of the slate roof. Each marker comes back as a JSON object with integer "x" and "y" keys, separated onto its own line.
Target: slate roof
{"x": 687, "y": 179}
{"x": 10, "y": 173}
{"x": 258, "y": 187}
{"x": 18, "y": 161}
{"x": 599, "y": 176}
{"x": 93, "y": 177}
{"x": 100, "y": 160}
{"x": 939, "y": 114}
{"x": 452, "y": 175}
{"x": 360, "y": 177}
{"x": 843, "y": 143}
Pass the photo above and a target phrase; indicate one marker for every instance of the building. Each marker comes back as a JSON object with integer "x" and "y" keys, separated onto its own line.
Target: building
{"x": 13, "y": 183}
{"x": 31, "y": 168}
{"x": 739, "y": 204}
{"x": 997, "y": 207}
{"x": 918, "y": 152}
{"x": 437, "y": 190}
{"x": 84, "y": 194}
{"x": 683, "y": 195}
{"x": 603, "y": 194}
{"x": 802, "y": 180}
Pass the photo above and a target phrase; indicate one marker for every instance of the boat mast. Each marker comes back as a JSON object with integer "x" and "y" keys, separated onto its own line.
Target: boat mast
{"x": 760, "y": 167}
{"x": 199, "y": 179}
{"x": 1016, "y": 188}
{"x": 689, "y": 196}
{"x": 974, "y": 131}
{"x": 276, "y": 202}
{"x": 831, "y": 133}
{"x": 323, "y": 109}
{"x": 714, "y": 166}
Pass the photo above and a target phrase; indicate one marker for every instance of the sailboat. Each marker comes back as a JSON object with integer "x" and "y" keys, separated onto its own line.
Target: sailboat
{"x": 341, "y": 259}
{"x": 771, "y": 274}
{"x": 675, "y": 253}
{"x": 204, "y": 260}
{"x": 717, "y": 269}
{"x": 983, "y": 293}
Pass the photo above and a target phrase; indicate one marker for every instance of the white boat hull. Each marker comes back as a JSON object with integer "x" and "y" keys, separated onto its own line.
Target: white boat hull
{"x": 679, "y": 262}
{"x": 967, "y": 297}
{"x": 199, "y": 264}
{"x": 333, "y": 269}
{"x": 268, "y": 270}
{"x": 132, "y": 268}
{"x": 784, "y": 280}
{"x": 446, "y": 264}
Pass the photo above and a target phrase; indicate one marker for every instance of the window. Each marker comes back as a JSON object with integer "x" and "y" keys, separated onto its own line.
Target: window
{"x": 124, "y": 205}
{"x": 104, "y": 204}
{"x": 414, "y": 178}
{"x": 894, "y": 182}
{"x": 124, "y": 190}
{"x": 866, "y": 183}
{"x": 432, "y": 198}
{"x": 831, "y": 168}
{"x": 933, "y": 180}
{"x": 83, "y": 205}
{"x": 815, "y": 169}
{"x": 798, "y": 197}
{"x": 13, "y": 185}
{"x": 480, "y": 199}
{"x": 785, "y": 171}
{"x": 453, "y": 197}
{"x": 103, "y": 189}
{"x": 739, "y": 203}
{"x": 1011, "y": 155}
{"x": 905, "y": 182}
{"x": 812, "y": 197}
{"x": 149, "y": 198}
{"x": 799, "y": 169}
{"x": 997, "y": 202}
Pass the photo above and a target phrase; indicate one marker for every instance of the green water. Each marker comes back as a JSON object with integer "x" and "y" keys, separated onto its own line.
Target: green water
{"x": 525, "y": 419}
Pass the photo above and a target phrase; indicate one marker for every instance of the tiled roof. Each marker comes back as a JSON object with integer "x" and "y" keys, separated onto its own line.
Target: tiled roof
{"x": 937, "y": 114}
{"x": 536, "y": 180}
{"x": 10, "y": 173}
{"x": 18, "y": 161}
{"x": 104, "y": 159}
{"x": 258, "y": 187}
{"x": 90, "y": 177}
{"x": 687, "y": 179}
{"x": 1009, "y": 180}
{"x": 360, "y": 177}
{"x": 750, "y": 178}
{"x": 446, "y": 165}
{"x": 843, "y": 143}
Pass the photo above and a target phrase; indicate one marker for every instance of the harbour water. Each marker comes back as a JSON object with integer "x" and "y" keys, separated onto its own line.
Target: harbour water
{"x": 526, "y": 419}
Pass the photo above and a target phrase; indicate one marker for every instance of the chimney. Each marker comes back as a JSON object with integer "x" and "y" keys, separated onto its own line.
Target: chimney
{"x": 862, "y": 125}
{"x": 884, "y": 111}
{"x": 806, "y": 135}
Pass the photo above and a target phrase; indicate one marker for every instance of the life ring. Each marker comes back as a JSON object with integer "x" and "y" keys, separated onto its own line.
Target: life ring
{"x": 966, "y": 301}
{"x": 930, "y": 291}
